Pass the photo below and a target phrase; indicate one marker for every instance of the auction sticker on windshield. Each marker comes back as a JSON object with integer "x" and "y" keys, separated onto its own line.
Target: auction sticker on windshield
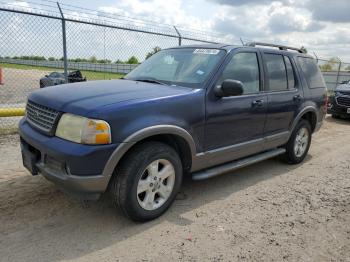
{"x": 206, "y": 51}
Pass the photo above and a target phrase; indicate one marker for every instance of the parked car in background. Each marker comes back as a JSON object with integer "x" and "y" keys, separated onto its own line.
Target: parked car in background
{"x": 339, "y": 101}
{"x": 193, "y": 110}
{"x": 56, "y": 78}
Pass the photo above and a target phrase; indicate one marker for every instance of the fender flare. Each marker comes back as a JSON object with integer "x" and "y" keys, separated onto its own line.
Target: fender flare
{"x": 144, "y": 133}
{"x": 300, "y": 115}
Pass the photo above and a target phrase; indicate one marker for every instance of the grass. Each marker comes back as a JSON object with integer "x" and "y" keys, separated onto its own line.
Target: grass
{"x": 90, "y": 75}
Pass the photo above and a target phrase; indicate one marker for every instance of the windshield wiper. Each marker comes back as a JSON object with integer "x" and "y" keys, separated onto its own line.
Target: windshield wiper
{"x": 148, "y": 80}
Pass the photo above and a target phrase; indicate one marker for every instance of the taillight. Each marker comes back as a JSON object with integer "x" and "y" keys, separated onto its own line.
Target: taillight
{"x": 325, "y": 105}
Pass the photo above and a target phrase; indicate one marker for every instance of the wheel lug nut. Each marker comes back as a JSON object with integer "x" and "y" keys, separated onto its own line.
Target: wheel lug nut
{"x": 155, "y": 178}
{"x": 151, "y": 184}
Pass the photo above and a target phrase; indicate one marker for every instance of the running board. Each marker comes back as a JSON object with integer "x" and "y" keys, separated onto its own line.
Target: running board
{"x": 218, "y": 170}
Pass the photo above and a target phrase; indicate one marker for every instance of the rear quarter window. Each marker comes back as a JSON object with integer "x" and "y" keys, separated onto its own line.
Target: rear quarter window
{"x": 311, "y": 72}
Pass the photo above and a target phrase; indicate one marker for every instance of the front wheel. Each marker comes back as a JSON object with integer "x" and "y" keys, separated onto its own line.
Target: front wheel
{"x": 146, "y": 182}
{"x": 299, "y": 143}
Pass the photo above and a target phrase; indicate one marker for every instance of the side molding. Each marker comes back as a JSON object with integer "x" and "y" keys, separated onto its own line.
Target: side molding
{"x": 140, "y": 135}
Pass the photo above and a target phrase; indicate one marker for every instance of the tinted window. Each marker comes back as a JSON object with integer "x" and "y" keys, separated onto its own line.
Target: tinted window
{"x": 54, "y": 75}
{"x": 183, "y": 66}
{"x": 276, "y": 71}
{"x": 245, "y": 68}
{"x": 290, "y": 73}
{"x": 311, "y": 72}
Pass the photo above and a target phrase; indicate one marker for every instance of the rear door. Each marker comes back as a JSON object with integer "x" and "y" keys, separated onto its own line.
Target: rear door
{"x": 284, "y": 94}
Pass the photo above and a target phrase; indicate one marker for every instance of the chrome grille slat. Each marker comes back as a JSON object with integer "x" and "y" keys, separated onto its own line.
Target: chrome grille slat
{"x": 41, "y": 117}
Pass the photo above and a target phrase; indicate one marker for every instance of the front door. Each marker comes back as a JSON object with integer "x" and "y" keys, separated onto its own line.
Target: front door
{"x": 235, "y": 125}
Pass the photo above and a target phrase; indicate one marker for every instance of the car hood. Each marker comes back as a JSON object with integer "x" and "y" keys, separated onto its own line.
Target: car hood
{"x": 343, "y": 88}
{"x": 84, "y": 97}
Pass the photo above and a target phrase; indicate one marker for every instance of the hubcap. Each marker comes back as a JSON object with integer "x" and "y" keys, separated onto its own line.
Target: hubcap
{"x": 301, "y": 142}
{"x": 156, "y": 184}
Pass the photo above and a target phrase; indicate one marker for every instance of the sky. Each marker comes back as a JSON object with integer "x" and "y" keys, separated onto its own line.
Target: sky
{"x": 322, "y": 26}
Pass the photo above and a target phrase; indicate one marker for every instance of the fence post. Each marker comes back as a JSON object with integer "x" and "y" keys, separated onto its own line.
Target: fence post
{"x": 339, "y": 67}
{"x": 65, "y": 60}
{"x": 178, "y": 33}
{"x": 316, "y": 57}
{"x": 1, "y": 76}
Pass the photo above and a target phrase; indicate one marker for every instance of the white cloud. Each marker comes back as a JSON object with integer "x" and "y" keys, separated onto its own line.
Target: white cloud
{"x": 169, "y": 12}
{"x": 320, "y": 25}
{"x": 290, "y": 23}
{"x": 285, "y": 19}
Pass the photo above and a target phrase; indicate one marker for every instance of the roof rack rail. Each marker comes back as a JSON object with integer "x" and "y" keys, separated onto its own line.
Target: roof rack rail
{"x": 280, "y": 47}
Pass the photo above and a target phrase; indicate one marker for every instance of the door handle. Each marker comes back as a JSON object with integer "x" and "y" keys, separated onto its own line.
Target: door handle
{"x": 297, "y": 98}
{"x": 257, "y": 103}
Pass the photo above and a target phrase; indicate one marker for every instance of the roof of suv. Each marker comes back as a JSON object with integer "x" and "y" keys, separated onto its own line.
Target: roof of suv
{"x": 231, "y": 47}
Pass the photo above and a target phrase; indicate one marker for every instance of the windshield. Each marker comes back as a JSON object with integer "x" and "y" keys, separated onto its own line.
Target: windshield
{"x": 188, "y": 67}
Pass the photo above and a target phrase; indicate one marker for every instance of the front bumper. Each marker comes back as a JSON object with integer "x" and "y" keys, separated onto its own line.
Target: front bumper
{"x": 335, "y": 109}
{"x": 74, "y": 168}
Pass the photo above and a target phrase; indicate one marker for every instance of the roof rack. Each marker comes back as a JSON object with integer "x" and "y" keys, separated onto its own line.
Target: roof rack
{"x": 280, "y": 47}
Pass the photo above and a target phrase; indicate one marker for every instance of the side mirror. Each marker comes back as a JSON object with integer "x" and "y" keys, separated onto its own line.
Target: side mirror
{"x": 229, "y": 88}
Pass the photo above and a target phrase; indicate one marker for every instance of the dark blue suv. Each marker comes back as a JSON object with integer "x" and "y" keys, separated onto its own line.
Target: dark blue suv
{"x": 192, "y": 110}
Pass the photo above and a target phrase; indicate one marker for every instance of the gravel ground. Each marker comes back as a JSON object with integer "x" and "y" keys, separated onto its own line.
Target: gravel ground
{"x": 18, "y": 85}
{"x": 266, "y": 212}
{"x": 13, "y": 94}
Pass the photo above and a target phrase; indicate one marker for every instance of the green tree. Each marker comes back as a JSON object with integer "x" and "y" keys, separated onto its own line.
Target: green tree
{"x": 154, "y": 50}
{"x": 104, "y": 61}
{"x": 119, "y": 61}
{"x": 326, "y": 67}
{"x": 93, "y": 59}
{"x": 347, "y": 68}
{"x": 52, "y": 59}
{"x": 331, "y": 64}
{"x": 132, "y": 60}
{"x": 303, "y": 49}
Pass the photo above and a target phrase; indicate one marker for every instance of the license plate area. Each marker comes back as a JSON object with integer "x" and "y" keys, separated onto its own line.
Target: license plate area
{"x": 30, "y": 156}
{"x": 348, "y": 110}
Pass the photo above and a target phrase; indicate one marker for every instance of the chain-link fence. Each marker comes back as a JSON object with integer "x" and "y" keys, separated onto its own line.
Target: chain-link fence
{"x": 50, "y": 44}
{"x": 334, "y": 71}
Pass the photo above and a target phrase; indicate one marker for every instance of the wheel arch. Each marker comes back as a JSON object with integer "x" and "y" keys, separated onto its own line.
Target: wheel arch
{"x": 174, "y": 136}
{"x": 309, "y": 113}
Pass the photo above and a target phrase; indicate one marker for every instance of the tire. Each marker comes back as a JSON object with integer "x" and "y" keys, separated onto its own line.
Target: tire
{"x": 137, "y": 172}
{"x": 292, "y": 155}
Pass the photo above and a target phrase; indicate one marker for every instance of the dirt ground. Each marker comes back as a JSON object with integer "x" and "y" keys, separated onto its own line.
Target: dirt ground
{"x": 266, "y": 212}
{"x": 14, "y": 92}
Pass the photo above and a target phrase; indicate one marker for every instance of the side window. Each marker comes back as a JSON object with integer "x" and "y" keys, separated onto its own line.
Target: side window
{"x": 311, "y": 72}
{"x": 290, "y": 73}
{"x": 245, "y": 68}
{"x": 276, "y": 71}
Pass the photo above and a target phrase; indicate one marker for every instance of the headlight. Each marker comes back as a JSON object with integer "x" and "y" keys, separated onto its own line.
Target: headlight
{"x": 83, "y": 130}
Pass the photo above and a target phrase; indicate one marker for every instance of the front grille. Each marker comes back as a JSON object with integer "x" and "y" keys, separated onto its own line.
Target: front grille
{"x": 343, "y": 100}
{"x": 41, "y": 117}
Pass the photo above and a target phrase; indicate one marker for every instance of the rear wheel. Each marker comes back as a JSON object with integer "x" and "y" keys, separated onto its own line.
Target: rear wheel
{"x": 146, "y": 182}
{"x": 299, "y": 143}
